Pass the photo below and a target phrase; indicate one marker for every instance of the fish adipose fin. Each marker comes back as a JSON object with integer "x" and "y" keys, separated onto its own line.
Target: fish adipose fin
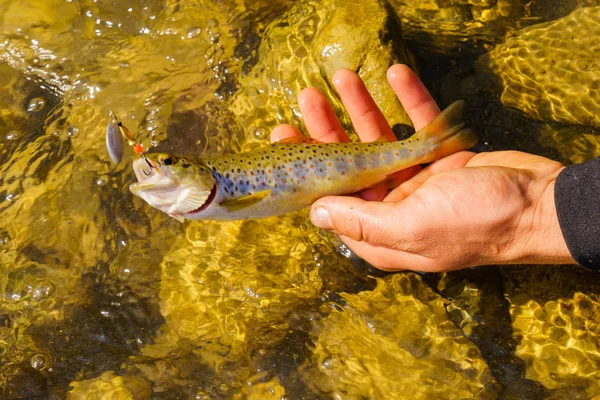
{"x": 448, "y": 129}
{"x": 243, "y": 202}
{"x": 298, "y": 140}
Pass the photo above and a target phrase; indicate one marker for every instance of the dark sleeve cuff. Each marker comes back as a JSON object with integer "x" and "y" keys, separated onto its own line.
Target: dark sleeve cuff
{"x": 577, "y": 198}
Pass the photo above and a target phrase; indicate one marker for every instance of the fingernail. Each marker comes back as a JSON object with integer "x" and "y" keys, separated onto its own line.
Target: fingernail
{"x": 320, "y": 218}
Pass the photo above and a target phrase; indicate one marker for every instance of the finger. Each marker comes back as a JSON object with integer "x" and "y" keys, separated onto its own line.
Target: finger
{"x": 454, "y": 161}
{"x": 368, "y": 121}
{"x": 320, "y": 119}
{"x": 414, "y": 96}
{"x": 375, "y": 193}
{"x": 360, "y": 220}
{"x": 284, "y": 132}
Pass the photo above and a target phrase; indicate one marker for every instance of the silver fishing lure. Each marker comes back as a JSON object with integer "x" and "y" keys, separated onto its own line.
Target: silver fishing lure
{"x": 116, "y": 133}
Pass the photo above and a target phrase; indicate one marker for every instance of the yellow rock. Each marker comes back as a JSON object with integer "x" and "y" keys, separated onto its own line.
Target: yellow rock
{"x": 396, "y": 342}
{"x": 110, "y": 386}
{"x": 458, "y": 26}
{"x": 556, "y": 320}
{"x": 305, "y": 46}
{"x": 551, "y": 71}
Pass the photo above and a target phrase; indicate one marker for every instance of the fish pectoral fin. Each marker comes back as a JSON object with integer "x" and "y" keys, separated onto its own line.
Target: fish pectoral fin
{"x": 298, "y": 140}
{"x": 240, "y": 203}
{"x": 178, "y": 217}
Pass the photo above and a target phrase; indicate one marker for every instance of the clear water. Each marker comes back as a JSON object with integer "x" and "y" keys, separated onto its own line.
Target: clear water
{"x": 102, "y": 296}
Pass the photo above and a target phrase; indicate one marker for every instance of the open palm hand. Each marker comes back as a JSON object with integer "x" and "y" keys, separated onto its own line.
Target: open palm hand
{"x": 464, "y": 210}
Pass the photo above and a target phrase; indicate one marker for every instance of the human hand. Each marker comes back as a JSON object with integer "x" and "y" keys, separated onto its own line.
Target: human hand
{"x": 464, "y": 210}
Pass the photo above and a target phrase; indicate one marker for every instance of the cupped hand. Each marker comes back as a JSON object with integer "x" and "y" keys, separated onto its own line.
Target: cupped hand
{"x": 463, "y": 210}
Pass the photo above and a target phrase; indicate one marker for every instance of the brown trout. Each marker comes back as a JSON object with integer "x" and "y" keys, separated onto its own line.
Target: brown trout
{"x": 285, "y": 177}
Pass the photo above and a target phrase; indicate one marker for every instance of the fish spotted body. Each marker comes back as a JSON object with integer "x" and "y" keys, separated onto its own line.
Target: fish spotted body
{"x": 287, "y": 177}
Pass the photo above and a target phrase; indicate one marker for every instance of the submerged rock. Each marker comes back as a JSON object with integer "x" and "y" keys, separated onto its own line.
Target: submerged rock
{"x": 548, "y": 10}
{"x": 538, "y": 91}
{"x": 68, "y": 219}
{"x": 551, "y": 71}
{"x": 574, "y": 143}
{"x": 555, "y": 313}
{"x": 458, "y": 26}
{"x": 396, "y": 341}
{"x": 231, "y": 291}
{"x": 110, "y": 386}
{"x": 305, "y": 46}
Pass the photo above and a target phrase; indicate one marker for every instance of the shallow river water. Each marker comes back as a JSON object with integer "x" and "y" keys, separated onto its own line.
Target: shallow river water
{"x": 104, "y": 297}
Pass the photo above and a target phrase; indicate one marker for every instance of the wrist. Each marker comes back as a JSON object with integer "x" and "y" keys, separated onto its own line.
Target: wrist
{"x": 539, "y": 239}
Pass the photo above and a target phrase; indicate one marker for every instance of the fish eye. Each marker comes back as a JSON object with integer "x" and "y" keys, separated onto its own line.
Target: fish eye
{"x": 168, "y": 160}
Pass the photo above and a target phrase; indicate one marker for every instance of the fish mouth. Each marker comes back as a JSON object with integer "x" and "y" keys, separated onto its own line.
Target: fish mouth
{"x": 208, "y": 202}
{"x": 143, "y": 170}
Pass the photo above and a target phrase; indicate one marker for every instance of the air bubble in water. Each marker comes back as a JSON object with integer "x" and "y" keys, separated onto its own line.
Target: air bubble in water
{"x": 73, "y": 131}
{"x": 36, "y": 105}
{"x": 223, "y": 387}
{"x": 42, "y": 291}
{"x": 12, "y": 135}
{"x": 39, "y": 361}
{"x": 193, "y": 32}
{"x": 260, "y": 133}
{"x": 327, "y": 363}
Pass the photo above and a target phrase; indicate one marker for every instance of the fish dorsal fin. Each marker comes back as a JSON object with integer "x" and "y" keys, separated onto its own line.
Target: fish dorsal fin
{"x": 243, "y": 202}
{"x": 298, "y": 140}
{"x": 189, "y": 200}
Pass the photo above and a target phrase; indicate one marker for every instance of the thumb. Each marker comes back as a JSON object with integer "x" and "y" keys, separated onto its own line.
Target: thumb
{"x": 371, "y": 221}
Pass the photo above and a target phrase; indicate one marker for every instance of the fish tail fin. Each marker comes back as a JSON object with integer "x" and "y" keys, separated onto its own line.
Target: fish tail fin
{"x": 448, "y": 130}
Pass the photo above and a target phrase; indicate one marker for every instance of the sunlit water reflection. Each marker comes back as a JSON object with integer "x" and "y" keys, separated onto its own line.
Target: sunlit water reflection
{"x": 102, "y": 295}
